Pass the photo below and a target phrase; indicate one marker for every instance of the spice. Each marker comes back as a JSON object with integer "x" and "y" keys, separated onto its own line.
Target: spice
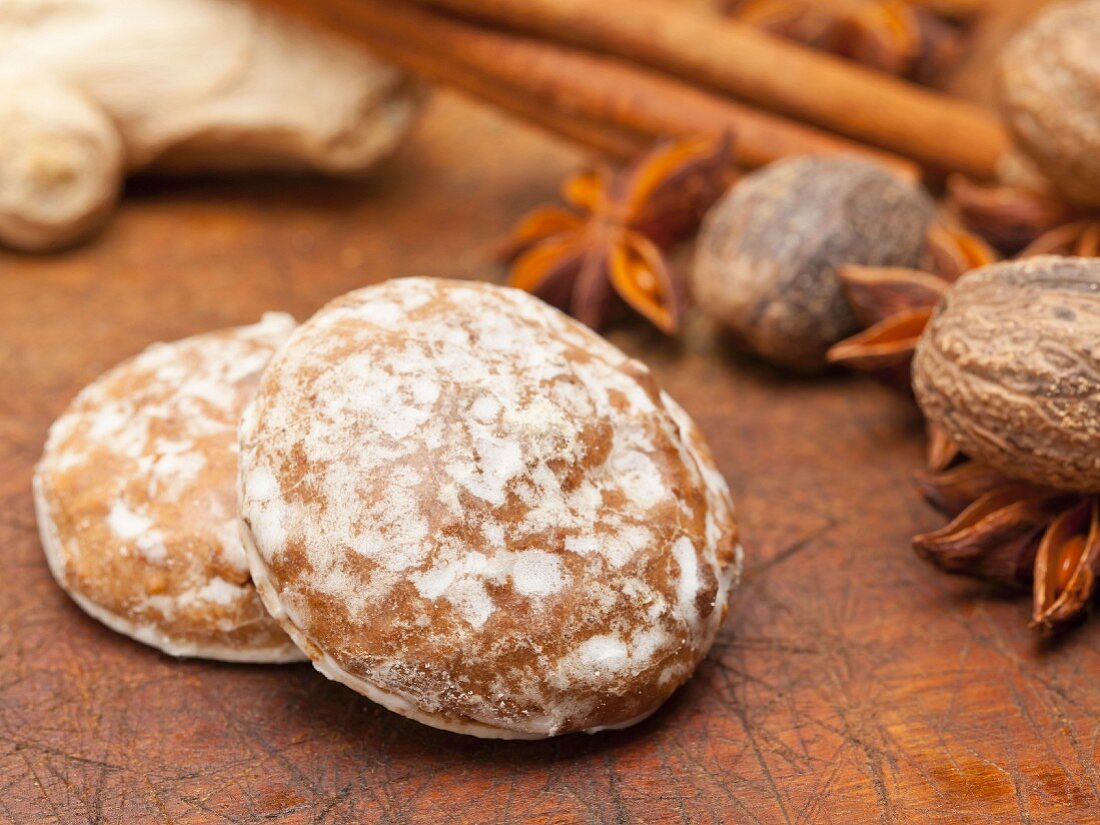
{"x": 768, "y": 253}
{"x": 1049, "y": 88}
{"x": 91, "y": 91}
{"x": 1009, "y": 373}
{"x": 937, "y": 131}
{"x": 610, "y": 105}
{"x": 892, "y": 36}
{"x": 1049, "y": 95}
{"x": 609, "y": 241}
{"x": 1025, "y": 221}
{"x": 894, "y": 304}
{"x": 1009, "y": 369}
{"x": 1010, "y": 217}
{"x": 1017, "y": 535}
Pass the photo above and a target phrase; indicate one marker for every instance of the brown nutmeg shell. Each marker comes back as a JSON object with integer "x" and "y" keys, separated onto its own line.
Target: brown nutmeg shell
{"x": 769, "y": 250}
{"x": 1009, "y": 369}
{"x": 1049, "y": 88}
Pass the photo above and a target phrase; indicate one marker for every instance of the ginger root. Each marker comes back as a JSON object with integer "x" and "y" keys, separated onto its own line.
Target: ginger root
{"x": 93, "y": 89}
{"x": 61, "y": 163}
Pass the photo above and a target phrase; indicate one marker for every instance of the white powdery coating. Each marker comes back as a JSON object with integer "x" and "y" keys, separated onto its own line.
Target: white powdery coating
{"x": 134, "y": 525}
{"x": 126, "y": 523}
{"x": 537, "y": 573}
{"x": 688, "y": 585}
{"x": 220, "y": 591}
{"x": 152, "y": 546}
{"x": 531, "y": 572}
{"x": 436, "y": 476}
{"x": 603, "y": 652}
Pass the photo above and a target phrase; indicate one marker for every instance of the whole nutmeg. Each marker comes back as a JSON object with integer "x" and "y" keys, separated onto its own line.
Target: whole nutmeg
{"x": 769, "y": 251}
{"x": 1049, "y": 88}
{"x": 1009, "y": 369}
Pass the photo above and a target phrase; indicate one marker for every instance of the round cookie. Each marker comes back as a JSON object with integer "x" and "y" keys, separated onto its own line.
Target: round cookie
{"x": 478, "y": 513}
{"x": 136, "y": 498}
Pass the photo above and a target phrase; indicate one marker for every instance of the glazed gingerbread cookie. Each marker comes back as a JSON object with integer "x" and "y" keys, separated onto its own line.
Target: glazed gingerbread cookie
{"x": 478, "y": 513}
{"x": 136, "y": 498}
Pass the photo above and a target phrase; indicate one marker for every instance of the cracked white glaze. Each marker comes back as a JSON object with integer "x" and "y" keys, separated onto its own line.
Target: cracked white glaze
{"x": 478, "y": 512}
{"x": 136, "y": 497}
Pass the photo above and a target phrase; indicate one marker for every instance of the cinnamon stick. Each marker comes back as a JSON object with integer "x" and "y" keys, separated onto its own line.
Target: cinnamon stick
{"x": 940, "y": 132}
{"x": 567, "y": 85}
{"x": 602, "y": 137}
{"x": 957, "y": 10}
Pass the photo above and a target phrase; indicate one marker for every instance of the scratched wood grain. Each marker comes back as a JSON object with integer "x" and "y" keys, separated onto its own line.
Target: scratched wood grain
{"x": 851, "y": 684}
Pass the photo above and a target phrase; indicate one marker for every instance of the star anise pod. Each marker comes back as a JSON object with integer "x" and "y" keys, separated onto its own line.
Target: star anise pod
{"x": 1077, "y": 238}
{"x": 1015, "y": 534}
{"x": 607, "y": 246}
{"x": 894, "y": 303}
{"x": 1015, "y": 218}
{"x": 940, "y": 452}
{"x": 892, "y": 36}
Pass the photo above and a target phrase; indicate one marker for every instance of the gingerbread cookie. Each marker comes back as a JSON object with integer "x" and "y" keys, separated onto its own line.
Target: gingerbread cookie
{"x": 136, "y": 498}
{"x": 480, "y": 514}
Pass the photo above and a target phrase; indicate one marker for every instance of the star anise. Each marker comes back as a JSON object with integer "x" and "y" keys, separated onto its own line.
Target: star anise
{"x": 894, "y": 303}
{"x": 609, "y": 243}
{"x": 889, "y": 35}
{"x": 1015, "y": 534}
{"x": 1019, "y": 219}
{"x": 1078, "y": 238}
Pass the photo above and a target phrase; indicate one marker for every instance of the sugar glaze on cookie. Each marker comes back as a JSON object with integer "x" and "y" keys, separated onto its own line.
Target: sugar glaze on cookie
{"x": 482, "y": 515}
{"x": 136, "y": 498}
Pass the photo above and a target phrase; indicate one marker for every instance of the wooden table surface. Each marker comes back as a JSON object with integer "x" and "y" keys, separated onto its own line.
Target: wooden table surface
{"x": 851, "y": 684}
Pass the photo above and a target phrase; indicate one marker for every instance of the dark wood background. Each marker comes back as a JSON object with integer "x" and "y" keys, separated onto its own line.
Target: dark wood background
{"x": 851, "y": 684}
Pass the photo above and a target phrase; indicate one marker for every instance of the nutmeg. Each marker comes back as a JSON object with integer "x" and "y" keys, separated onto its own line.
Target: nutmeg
{"x": 1049, "y": 89}
{"x": 766, "y": 265}
{"x": 1009, "y": 369}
